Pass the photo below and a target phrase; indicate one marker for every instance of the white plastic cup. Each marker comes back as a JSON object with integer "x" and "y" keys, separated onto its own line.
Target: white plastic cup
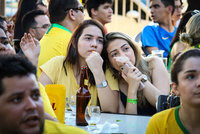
{"x": 158, "y": 53}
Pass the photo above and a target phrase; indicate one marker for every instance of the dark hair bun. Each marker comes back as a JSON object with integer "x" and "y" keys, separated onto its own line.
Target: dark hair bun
{"x": 186, "y": 38}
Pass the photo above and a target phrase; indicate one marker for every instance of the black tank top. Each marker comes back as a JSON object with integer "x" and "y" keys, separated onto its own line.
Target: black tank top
{"x": 148, "y": 110}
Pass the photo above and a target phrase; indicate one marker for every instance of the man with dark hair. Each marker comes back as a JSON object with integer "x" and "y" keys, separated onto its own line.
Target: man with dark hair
{"x": 65, "y": 15}
{"x": 21, "y": 104}
{"x": 35, "y": 22}
{"x": 158, "y": 36}
{"x": 100, "y": 10}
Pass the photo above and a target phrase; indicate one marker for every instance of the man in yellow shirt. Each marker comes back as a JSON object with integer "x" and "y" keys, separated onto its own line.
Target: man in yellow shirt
{"x": 21, "y": 104}
{"x": 65, "y": 15}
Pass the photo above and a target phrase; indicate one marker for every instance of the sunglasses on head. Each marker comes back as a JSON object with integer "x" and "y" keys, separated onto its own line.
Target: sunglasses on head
{"x": 195, "y": 12}
{"x": 78, "y": 8}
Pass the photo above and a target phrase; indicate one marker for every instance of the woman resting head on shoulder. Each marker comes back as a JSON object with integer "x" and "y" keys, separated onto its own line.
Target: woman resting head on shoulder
{"x": 185, "y": 76}
{"x": 140, "y": 80}
{"x": 84, "y": 49}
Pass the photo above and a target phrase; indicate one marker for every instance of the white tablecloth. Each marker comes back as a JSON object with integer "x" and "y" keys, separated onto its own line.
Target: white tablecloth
{"x": 116, "y": 123}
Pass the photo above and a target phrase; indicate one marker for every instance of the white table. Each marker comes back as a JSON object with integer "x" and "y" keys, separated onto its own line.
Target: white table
{"x": 131, "y": 124}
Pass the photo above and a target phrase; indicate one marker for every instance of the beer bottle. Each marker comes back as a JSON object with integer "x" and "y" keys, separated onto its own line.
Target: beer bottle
{"x": 82, "y": 98}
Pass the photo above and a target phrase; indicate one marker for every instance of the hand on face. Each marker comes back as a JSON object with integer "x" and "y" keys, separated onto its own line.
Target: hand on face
{"x": 122, "y": 60}
{"x": 94, "y": 61}
{"x": 129, "y": 72}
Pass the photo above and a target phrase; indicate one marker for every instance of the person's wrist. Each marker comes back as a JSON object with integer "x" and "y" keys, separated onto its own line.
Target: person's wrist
{"x": 133, "y": 101}
{"x": 132, "y": 89}
{"x": 98, "y": 72}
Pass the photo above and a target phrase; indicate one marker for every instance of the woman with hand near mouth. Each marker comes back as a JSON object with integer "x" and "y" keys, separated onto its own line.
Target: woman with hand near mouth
{"x": 140, "y": 80}
{"x": 85, "y": 47}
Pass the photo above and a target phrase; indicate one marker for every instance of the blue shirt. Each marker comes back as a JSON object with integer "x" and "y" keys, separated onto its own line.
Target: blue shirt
{"x": 156, "y": 36}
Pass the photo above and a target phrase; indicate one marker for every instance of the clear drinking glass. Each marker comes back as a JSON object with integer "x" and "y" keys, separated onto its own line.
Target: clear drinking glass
{"x": 72, "y": 104}
{"x": 92, "y": 116}
{"x": 67, "y": 108}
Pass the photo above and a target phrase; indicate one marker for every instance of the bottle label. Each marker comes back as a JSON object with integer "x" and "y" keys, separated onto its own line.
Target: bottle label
{"x": 86, "y": 82}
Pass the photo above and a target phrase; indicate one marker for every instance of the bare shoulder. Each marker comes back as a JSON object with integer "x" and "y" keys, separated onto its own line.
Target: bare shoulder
{"x": 154, "y": 61}
{"x": 179, "y": 46}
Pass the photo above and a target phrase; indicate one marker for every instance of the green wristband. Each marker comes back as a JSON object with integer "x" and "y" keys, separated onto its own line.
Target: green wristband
{"x": 134, "y": 101}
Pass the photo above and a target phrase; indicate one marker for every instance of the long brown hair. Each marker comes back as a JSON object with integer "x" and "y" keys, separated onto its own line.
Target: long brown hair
{"x": 72, "y": 54}
{"x": 140, "y": 62}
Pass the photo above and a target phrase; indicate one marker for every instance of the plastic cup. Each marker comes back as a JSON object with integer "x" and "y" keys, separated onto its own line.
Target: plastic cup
{"x": 158, "y": 53}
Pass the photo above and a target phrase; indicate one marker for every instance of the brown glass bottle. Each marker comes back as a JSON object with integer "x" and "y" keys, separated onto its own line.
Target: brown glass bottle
{"x": 82, "y": 98}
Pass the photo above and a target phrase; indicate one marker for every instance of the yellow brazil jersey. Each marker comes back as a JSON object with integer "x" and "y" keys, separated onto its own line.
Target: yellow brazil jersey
{"x": 69, "y": 80}
{"x": 52, "y": 127}
{"x": 54, "y": 43}
{"x": 166, "y": 122}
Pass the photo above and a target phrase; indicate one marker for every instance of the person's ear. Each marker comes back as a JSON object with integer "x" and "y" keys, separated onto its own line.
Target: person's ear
{"x": 175, "y": 89}
{"x": 71, "y": 14}
{"x": 94, "y": 12}
{"x": 32, "y": 32}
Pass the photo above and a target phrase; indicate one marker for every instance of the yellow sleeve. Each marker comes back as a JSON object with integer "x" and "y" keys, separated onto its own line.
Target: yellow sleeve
{"x": 53, "y": 44}
{"x": 152, "y": 127}
{"x": 112, "y": 82}
{"x": 53, "y": 67}
{"x": 52, "y": 127}
{"x": 47, "y": 104}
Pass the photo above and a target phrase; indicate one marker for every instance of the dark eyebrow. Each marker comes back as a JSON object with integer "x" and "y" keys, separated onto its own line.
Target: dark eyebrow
{"x": 35, "y": 89}
{"x": 101, "y": 38}
{"x": 123, "y": 45}
{"x": 16, "y": 94}
{"x": 21, "y": 93}
{"x": 120, "y": 47}
{"x": 190, "y": 71}
{"x": 88, "y": 35}
{"x": 113, "y": 51}
{"x": 154, "y": 5}
{"x": 92, "y": 36}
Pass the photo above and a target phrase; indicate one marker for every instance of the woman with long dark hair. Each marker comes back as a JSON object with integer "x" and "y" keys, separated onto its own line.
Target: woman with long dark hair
{"x": 85, "y": 47}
